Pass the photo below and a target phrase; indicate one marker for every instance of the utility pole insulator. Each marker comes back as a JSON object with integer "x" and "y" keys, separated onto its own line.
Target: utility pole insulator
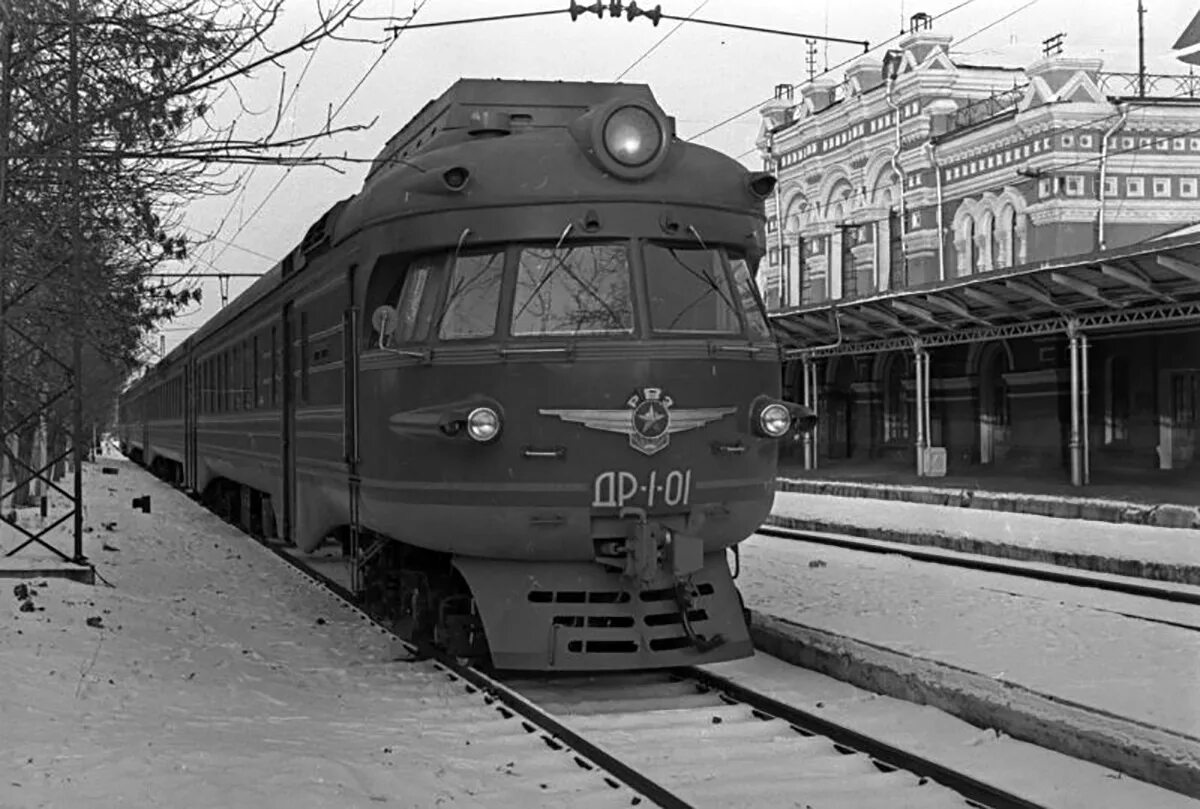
{"x": 576, "y": 10}
{"x": 654, "y": 14}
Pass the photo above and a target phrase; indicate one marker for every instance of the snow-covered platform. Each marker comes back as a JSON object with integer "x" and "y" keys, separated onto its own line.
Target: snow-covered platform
{"x": 1168, "y": 554}
{"x": 203, "y": 671}
{"x": 1108, "y": 677}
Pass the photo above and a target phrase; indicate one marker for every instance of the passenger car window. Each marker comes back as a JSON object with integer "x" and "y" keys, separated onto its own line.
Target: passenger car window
{"x": 581, "y": 289}
{"x": 752, "y": 308}
{"x": 473, "y": 298}
{"x": 689, "y": 291}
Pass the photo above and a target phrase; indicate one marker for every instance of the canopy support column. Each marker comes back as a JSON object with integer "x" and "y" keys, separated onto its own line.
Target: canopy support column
{"x": 1074, "y": 446}
{"x": 920, "y": 359}
{"x": 1084, "y": 417}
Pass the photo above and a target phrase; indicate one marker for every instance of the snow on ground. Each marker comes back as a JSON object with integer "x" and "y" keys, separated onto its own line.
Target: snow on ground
{"x": 1045, "y": 637}
{"x": 1171, "y": 546}
{"x": 212, "y": 675}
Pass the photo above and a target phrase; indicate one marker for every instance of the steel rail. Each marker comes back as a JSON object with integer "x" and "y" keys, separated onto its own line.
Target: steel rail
{"x": 970, "y": 788}
{"x": 588, "y": 755}
{"x": 1103, "y": 581}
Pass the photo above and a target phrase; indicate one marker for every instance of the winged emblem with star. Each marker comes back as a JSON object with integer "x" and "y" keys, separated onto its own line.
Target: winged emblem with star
{"x": 648, "y": 419}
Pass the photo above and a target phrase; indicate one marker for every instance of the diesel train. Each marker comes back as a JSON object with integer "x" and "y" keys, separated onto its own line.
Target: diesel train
{"x": 524, "y": 375}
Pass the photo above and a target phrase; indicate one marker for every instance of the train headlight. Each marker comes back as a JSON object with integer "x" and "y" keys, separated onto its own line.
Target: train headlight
{"x": 632, "y": 136}
{"x": 775, "y": 420}
{"x": 483, "y": 424}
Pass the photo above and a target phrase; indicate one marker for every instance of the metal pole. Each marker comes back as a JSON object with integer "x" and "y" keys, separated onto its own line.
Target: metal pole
{"x": 1073, "y": 441}
{"x": 1085, "y": 418}
{"x": 920, "y": 441}
{"x": 816, "y": 401}
{"x": 807, "y": 402}
{"x": 1141, "y": 11}
{"x": 5, "y": 126}
{"x": 76, "y": 283}
{"x": 928, "y": 400}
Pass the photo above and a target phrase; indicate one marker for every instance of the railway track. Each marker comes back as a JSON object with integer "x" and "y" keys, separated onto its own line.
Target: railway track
{"x": 705, "y": 741}
{"x": 689, "y": 738}
{"x": 1163, "y": 591}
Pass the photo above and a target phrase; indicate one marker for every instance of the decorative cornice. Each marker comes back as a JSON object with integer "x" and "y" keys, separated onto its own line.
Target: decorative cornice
{"x": 920, "y": 241}
{"x": 1059, "y": 211}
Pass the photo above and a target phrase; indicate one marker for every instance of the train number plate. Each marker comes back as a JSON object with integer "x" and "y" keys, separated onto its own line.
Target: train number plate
{"x": 617, "y": 489}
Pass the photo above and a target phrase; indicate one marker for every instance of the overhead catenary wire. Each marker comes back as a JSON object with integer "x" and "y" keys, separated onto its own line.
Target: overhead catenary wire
{"x": 660, "y": 41}
{"x": 244, "y": 180}
{"x": 349, "y": 96}
{"x": 633, "y": 12}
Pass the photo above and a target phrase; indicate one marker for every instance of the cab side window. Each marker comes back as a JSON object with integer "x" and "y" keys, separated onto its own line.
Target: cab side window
{"x": 402, "y": 300}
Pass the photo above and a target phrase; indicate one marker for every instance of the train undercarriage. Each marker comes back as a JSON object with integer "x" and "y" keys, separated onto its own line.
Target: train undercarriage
{"x": 650, "y": 596}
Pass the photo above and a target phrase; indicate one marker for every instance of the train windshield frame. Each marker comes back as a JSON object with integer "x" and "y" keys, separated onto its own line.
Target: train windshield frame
{"x": 601, "y": 288}
{"x": 577, "y": 289}
{"x": 689, "y": 291}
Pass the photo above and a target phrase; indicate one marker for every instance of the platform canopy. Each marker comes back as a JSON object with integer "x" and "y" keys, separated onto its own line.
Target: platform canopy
{"x": 1148, "y": 283}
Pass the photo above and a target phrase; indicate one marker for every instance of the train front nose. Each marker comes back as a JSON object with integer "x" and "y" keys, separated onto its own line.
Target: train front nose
{"x": 655, "y": 482}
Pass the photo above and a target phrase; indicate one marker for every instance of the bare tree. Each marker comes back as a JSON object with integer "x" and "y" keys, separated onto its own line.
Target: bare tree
{"x": 109, "y": 104}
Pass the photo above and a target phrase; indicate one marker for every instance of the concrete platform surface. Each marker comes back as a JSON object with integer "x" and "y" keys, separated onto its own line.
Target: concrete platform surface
{"x": 1108, "y": 677}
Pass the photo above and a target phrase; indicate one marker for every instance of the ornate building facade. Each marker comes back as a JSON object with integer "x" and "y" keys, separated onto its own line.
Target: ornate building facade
{"x": 989, "y": 265}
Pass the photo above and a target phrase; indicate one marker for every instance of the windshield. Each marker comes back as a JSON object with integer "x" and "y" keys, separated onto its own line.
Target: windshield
{"x": 689, "y": 291}
{"x": 473, "y": 298}
{"x": 581, "y": 289}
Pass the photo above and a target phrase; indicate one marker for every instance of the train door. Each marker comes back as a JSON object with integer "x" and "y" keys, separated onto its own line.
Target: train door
{"x": 350, "y": 426}
{"x": 189, "y": 423}
{"x": 288, "y": 422}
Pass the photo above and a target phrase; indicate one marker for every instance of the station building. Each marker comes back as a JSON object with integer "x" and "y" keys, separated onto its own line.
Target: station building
{"x": 984, "y": 266}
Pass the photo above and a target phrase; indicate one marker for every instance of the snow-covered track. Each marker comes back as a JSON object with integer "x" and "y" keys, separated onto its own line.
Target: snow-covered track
{"x": 556, "y": 736}
{"x": 715, "y": 743}
{"x": 1163, "y": 591}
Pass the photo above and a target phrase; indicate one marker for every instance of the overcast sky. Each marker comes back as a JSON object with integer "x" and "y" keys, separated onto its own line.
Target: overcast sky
{"x": 700, "y": 74}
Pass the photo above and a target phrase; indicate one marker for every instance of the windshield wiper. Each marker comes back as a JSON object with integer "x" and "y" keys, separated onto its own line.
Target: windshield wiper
{"x": 545, "y": 277}
{"x": 560, "y": 263}
{"x": 454, "y": 293}
{"x": 703, "y": 277}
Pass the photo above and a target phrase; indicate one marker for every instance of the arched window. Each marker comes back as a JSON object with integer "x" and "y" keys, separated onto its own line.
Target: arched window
{"x": 1011, "y": 214}
{"x": 970, "y": 258}
{"x": 993, "y": 241}
{"x": 979, "y": 233}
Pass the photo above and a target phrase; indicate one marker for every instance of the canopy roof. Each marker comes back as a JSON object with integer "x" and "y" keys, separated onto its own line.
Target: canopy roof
{"x": 1148, "y": 282}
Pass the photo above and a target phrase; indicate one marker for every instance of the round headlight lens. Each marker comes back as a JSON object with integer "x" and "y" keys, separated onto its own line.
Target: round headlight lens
{"x": 775, "y": 420}
{"x": 483, "y": 424}
{"x": 632, "y": 136}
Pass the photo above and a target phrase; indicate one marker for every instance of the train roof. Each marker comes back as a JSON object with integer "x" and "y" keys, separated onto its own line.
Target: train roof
{"x": 462, "y": 111}
{"x": 465, "y": 107}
